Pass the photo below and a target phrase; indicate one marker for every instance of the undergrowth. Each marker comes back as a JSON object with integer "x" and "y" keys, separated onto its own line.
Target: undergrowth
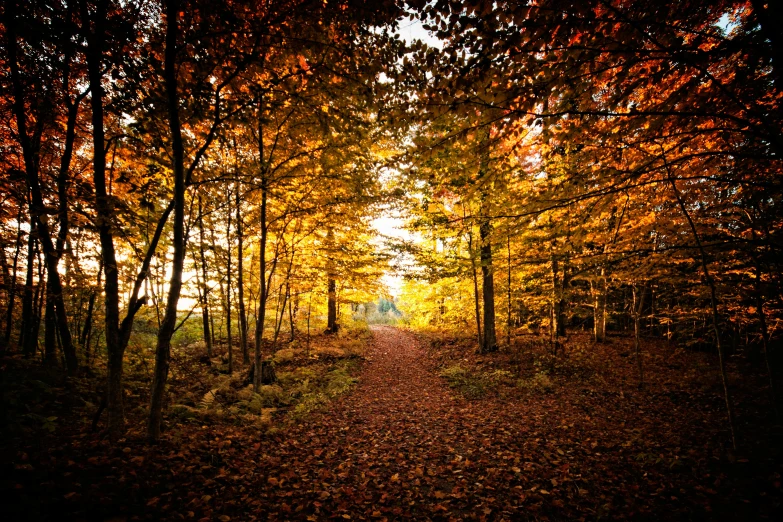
{"x": 308, "y": 378}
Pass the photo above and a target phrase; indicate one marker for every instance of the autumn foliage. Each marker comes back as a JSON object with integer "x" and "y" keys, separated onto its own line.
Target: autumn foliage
{"x": 589, "y": 202}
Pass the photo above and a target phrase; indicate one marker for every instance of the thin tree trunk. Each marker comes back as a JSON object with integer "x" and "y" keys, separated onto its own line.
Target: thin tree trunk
{"x": 228, "y": 286}
{"x": 163, "y": 348}
{"x": 488, "y": 288}
{"x": 240, "y": 281}
{"x": 331, "y": 305}
{"x": 476, "y": 297}
{"x": 38, "y": 300}
{"x": 261, "y": 315}
{"x": 205, "y": 333}
{"x": 286, "y": 296}
{"x": 331, "y": 287}
{"x": 598, "y": 288}
{"x": 50, "y": 325}
{"x": 218, "y": 331}
{"x": 490, "y": 343}
{"x": 290, "y": 310}
{"x": 765, "y": 343}
{"x": 309, "y": 309}
{"x": 638, "y": 304}
{"x": 9, "y": 317}
{"x": 26, "y": 340}
{"x": 204, "y": 292}
{"x": 30, "y": 150}
{"x": 509, "y": 322}
{"x": 555, "y": 313}
{"x": 279, "y": 322}
{"x": 87, "y": 331}
{"x": 116, "y": 335}
{"x": 713, "y": 300}
{"x": 561, "y": 303}
{"x": 105, "y": 212}
{"x": 7, "y": 284}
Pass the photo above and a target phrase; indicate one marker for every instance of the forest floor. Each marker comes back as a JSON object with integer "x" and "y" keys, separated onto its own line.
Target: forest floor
{"x": 433, "y": 431}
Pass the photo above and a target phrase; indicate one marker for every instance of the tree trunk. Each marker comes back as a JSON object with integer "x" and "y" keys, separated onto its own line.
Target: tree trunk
{"x": 765, "y": 343}
{"x": 228, "y": 286}
{"x": 561, "y": 304}
{"x": 86, "y": 334}
{"x": 291, "y": 325}
{"x": 485, "y": 234}
{"x": 163, "y": 348}
{"x": 50, "y": 325}
{"x": 713, "y": 300}
{"x": 638, "y": 304}
{"x": 7, "y": 285}
{"x": 26, "y": 341}
{"x": 555, "y": 308}
{"x": 204, "y": 292}
{"x": 476, "y": 295}
{"x": 286, "y": 298}
{"x": 9, "y": 313}
{"x": 116, "y": 335}
{"x": 105, "y": 214}
{"x": 261, "y": 315}
{"x": 30, "y": 150}
{"x": 279, "y": 322}
{"x": 331, "y": 314}
{"x": 240, "y": 281}
{"x": 487, "y": 288}
{"x": 331, "y": 287}
{"x": 598, "y": 289}
{"x": 38, "y": 300}
{"x": 509, "y": 322}
{"x": 309, "y": 309}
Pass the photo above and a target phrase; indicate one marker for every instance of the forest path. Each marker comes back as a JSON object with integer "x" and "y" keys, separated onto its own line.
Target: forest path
{"x": 400, "y": 445}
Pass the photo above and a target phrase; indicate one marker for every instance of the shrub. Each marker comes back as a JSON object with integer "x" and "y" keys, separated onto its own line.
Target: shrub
{"x": 182, "y": 412}
{"x": 501, "y": 377}
{"x": 246, "y": 393}
{"x": 267, "y": 397}
{"x": 329, "y": 351}
{"x": 285, "y": 355}
{"x": 538, "y": 382}
{"x": 353, "y": 348}
{"x": 472, "y": 386}
{"x": 339, "y": 381}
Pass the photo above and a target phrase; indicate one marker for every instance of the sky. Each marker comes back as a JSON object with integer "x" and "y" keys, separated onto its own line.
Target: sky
{"x": 388, "y": 224}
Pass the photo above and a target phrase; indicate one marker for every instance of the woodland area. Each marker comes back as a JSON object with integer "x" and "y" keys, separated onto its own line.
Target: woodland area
{"x": 578, "y": 316}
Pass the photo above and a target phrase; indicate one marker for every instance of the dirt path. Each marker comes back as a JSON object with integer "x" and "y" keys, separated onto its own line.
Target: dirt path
{"x": 403, "y": 446}
{"x": 397, "y": 446}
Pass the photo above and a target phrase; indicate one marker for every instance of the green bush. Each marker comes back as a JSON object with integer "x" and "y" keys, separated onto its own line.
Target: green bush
{"x": 339, "y": 381}
{"x": 501, "y": 377}
{"x": 182, "y": 412}
{"x": 313, "y": 394}
{"x": 308, "y": 404}
{"x": 539, "y": 382}
{"x": 472, "y": 386}
{"x": 269, "y": 396}
{"x": 285, "y": 355}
